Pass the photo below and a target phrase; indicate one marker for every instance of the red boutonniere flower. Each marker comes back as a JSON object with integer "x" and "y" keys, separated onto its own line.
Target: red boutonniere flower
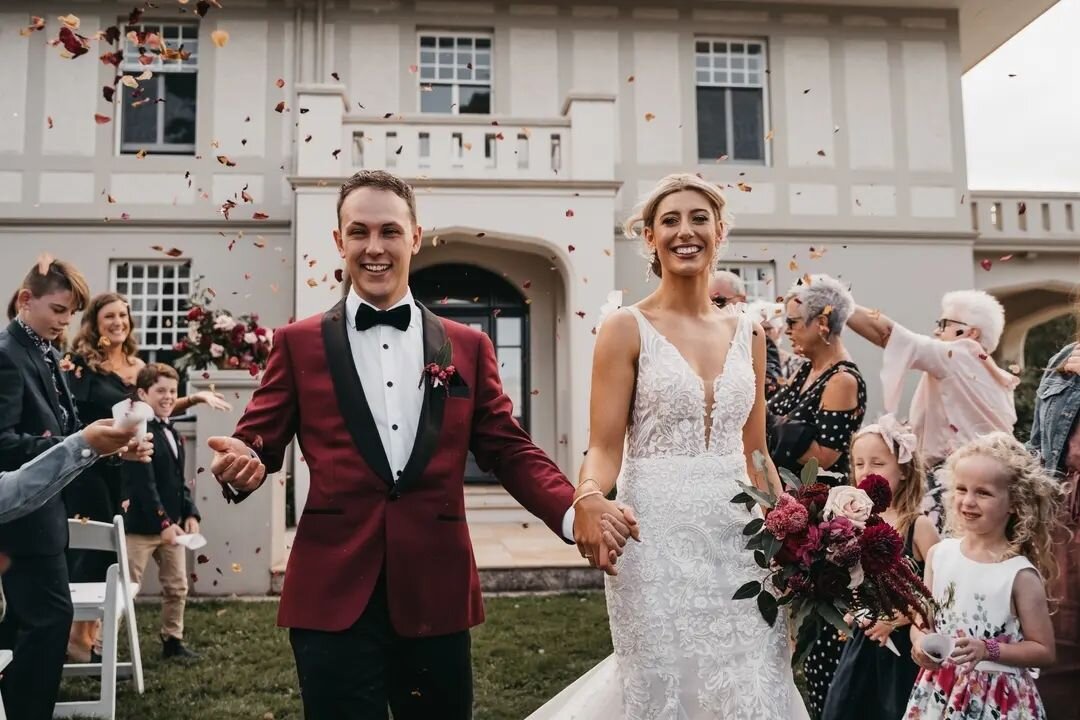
{"x": 441, "y": 372}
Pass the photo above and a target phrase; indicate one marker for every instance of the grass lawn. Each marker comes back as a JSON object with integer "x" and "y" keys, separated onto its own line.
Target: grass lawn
{"x": 529, "y": 649}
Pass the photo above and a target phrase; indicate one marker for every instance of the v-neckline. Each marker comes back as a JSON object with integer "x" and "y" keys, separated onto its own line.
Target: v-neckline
{"x": 707, "y": 406}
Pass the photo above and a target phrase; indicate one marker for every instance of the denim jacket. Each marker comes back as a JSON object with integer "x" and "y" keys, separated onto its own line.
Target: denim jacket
{"x": 1057, "y": 404}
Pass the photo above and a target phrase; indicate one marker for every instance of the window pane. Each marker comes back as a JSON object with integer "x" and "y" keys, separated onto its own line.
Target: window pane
{"x": 464, "y": 42}
{"x": 140, "y": 123}
{"x": 508, "y": 331}
{"x": 180, "y": 108}
{"x": 703, "y": 76}
{"x": 712, "y": 128}
{"x": 701, "y": 61}
{"x": 701, "y": 47}
{"x": 511, "y": 371}
{"x": 446, "y": 42}
{"x": 719, "y": 47}
{"x": 483, "y": 75}
{"x": 475, "y": 100}
{"x": 446, "y": 58}
{"x": 464, "y": 73}
{"x": 746, "y": 105}
{"x": 483, "y": 59}
{"x": 427, "y": 41}
{"x": 427, "y": 57}
{"x": 736, "y": 47}
{"x": 437, "y": 100}
{"x": 483, "y": 42}
{"x": 446, "y": 73}
{"x": 754, "y": 48}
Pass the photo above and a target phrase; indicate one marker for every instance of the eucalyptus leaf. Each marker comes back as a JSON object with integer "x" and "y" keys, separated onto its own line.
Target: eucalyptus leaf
{"x": 766, "y": 604}
{"x": 770, "y": 545}
{"x": 764, "y": 498}
{"x": 753, "y": 526}
{"x": 807, "y": 635}
{"x": 748, "y": 590}
{"x": 810, "y": 472}
{"x": 790, "y": 480}
{"x": 833, "y": 616}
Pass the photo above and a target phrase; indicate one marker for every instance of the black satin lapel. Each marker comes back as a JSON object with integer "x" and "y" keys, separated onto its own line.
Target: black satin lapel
{"x": 349, "y": 390}
{"x": 431, "y": 414}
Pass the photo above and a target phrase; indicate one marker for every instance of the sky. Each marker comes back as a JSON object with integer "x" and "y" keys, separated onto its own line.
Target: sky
{"x": 1023, "y": 132}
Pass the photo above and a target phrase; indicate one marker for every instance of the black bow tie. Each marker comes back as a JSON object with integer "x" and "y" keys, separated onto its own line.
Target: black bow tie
{"x": 368, "y": 317}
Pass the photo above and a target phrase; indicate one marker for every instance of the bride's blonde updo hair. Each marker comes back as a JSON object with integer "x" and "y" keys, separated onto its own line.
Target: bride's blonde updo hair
{"x": 644, "y": 214}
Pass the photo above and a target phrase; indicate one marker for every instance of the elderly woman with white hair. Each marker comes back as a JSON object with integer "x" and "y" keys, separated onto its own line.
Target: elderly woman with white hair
{"x": 962, "y": 393}
{"x": 814, "y": 416}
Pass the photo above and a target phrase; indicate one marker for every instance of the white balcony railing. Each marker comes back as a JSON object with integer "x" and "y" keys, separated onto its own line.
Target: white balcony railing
{"x": 576, "y": 145}
{"x": 460, "y": 146}
{"x": 1019, "y": 216}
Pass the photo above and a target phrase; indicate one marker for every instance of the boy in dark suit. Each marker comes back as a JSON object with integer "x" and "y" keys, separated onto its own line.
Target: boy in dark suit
{"x": 161, "y": 507}
{"x": 36, "y": 413}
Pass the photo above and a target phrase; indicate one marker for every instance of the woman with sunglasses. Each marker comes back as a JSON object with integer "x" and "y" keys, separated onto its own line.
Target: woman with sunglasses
{"x": 813, "y": 417}
{"x": 962, "y": 393}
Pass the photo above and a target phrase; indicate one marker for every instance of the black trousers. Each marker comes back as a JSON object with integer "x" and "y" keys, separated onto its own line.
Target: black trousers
{"x": 36, "y": 630}
{"x": 356, "y": 673}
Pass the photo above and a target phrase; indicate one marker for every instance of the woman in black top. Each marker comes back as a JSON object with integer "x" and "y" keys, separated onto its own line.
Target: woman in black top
{"x": 101, "y": 372}
{"x": 814, "y": 417}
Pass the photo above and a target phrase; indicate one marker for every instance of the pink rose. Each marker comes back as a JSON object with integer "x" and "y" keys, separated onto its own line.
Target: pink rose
{"x": 216, "y": 350}
{"x": 849, "y": 502}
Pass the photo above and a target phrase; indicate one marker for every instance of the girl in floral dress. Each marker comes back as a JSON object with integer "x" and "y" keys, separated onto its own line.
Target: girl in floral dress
{"x": 990, "y": 583}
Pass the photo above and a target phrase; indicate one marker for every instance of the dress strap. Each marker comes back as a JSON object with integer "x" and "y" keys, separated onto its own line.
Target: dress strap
{"x": 644, "y": 326}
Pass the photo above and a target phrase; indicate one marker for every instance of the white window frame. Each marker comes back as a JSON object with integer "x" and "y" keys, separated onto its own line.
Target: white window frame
{"x": 454, "y": 82}
{"x": 171, "y": 323}
{"x": 757, "y": 287}
{"x": 188, "y": 31}
{"x": 722, "y": 77}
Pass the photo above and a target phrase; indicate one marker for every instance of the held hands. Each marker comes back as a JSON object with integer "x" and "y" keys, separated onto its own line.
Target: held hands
{"x": 234, "y": 465}
{"x": 105, "y": 438}
{"x": 1072, "y": 363}
{"x": 601, "y": 528}
{"x": 191, "y": 526}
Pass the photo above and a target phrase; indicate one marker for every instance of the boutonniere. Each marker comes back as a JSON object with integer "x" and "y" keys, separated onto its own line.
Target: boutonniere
{"x": 441, "y": 372}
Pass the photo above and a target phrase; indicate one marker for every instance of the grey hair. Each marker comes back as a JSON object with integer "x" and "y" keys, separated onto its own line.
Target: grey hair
{"x": 736, "y": 283}
{"x": 824, "y": 295}
{"x": 977, "y": 309}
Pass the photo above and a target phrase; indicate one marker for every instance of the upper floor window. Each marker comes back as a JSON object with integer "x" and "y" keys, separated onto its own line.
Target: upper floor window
{"x": 159, "y": 115}
{"x": 731, "y": 78}
{"x": 158, "y": 292}
{"x": 455, "y": 73}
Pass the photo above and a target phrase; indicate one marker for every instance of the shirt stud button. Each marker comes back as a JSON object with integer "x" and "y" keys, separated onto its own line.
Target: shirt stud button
{"x": 389, "y": 383}
{"x": 385, "y": 346}
{"x": 393, "y": 427}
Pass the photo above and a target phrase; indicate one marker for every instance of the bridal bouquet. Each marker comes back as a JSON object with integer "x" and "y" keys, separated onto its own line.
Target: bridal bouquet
{"x": 217, "y": 338}
{"x": 828, "y": 553}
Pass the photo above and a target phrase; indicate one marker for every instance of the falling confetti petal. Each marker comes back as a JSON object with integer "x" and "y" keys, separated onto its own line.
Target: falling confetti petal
{"x": 1005, "y": 258}
{"x": 219, "y": 38}
{"x": 986, "y": 264}
{"x": 260, "y": 216}
{"x": 101, "y": 119}
{"x": 649, "y": 117}
{"x": 280, "y": 107}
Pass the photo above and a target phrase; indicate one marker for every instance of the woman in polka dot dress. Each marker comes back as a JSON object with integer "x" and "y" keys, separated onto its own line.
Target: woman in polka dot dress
{"x": 814, "y": 417}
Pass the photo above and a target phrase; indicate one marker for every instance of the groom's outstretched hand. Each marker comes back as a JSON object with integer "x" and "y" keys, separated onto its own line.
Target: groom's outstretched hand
{"x": 235, "y": 465}
{"x": 601, "y": 529}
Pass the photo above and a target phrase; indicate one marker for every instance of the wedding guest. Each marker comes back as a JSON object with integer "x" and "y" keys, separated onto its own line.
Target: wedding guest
{"x": 814, "y": 416}
{"x": 101, "y": 373}
{"x": 161, "y": 507}
{"x": 726, "y": 289}
{"x": 1055, "y": 434}
{"x": 36, "y": 413}
{"x": 962, "y": 393}
{"x": 870, "y": 674}
{"x": 990, "y": 581}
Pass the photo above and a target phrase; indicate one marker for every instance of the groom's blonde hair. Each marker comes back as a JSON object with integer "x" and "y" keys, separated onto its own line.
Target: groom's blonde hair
{"x": 644, "y": 214}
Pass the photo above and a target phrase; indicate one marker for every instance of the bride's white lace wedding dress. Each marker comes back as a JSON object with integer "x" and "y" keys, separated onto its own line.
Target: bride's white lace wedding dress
{"x": 684, "y": 650}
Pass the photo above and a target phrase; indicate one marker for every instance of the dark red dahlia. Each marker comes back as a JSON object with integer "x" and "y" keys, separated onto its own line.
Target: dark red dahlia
{"x": 813, "y": 494}
{"x": 800, "y": 583}
{"x": 879, "y": 491}
{"x": 195, "y": 313}
{"x": 881, "y": 548}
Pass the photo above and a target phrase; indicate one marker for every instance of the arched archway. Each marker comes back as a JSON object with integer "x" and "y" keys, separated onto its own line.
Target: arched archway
{"x": 481, "y": 299}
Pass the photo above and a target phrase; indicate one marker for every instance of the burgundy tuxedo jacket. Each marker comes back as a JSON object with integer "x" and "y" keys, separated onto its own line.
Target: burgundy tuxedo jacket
{"x": 359, "y": 521}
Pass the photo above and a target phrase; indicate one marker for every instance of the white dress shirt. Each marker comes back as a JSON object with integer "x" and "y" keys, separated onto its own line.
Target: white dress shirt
{"x": 169, "y": 437}
{"x": 390, "y": 363}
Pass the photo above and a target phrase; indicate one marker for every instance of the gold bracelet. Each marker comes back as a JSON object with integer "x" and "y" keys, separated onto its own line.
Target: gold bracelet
{"x": 581, "y": 497}
{"x": 589, "y": 480}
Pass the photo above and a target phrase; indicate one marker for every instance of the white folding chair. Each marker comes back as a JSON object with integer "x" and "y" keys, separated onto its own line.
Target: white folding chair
{"x": 5, "y": 658}
{"x": 108, "y": 601}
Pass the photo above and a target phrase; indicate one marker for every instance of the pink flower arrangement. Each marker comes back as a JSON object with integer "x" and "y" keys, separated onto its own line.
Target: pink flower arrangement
{"x": 218, "y": 339}
{"x": 828, "y": 552}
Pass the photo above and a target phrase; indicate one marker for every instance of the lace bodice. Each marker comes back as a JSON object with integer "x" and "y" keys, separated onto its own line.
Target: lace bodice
{"x": 669, "y": 416}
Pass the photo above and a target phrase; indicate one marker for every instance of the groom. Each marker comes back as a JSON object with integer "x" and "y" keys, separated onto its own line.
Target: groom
{"x": 387, "y": 400}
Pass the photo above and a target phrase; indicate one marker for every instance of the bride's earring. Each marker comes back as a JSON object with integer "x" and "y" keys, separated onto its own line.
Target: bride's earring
{"x": 649, "y": 266}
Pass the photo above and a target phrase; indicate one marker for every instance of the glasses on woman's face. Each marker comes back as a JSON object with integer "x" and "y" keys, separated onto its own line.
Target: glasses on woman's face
{"x": 943, "y": 323}
{"x": 720, "y": 301}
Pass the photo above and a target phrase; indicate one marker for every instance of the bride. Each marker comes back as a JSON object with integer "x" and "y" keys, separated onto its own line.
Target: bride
{"x": 678, "y": 387}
